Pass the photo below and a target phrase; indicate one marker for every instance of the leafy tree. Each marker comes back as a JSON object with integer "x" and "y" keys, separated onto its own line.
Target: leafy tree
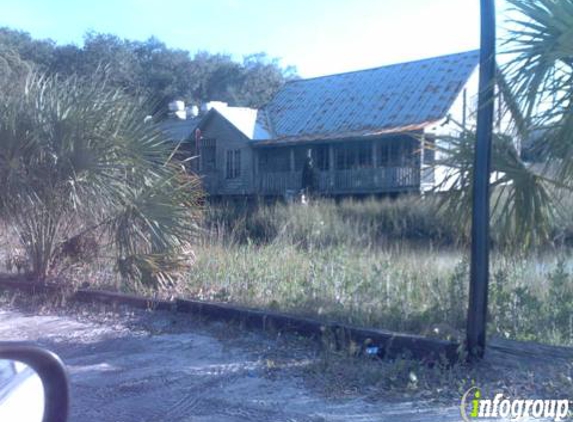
{"x": 213, "y": 77}
{"x": 68, "y": 60}
{"x": 13, "y": 70}
{"x": 165, "y": 74}
{"x": 115, "y": 58}
{"x": 39, "y": 52}
{"x": 152, "y": 70}
{"x": 263, "y": 77}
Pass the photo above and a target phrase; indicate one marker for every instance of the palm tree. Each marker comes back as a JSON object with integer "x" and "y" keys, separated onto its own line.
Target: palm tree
{"x": 541, "y": 75}
{"x": 75, "y": 158}
{"x": 536, "y": 85}
{"x": 541, "y": 43}
{"x": 540, "y": 82}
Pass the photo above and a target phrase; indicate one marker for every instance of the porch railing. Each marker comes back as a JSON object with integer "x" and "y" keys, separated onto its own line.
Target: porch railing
{"x": 366, "y": 180}
{"x": 278, "y": 183}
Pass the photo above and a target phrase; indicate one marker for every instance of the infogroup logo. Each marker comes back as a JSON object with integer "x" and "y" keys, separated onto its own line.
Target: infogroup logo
{"x": 474, "y": 406}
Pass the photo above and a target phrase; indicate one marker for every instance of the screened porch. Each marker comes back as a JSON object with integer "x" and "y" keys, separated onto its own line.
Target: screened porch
{"x": 351, "y": 167}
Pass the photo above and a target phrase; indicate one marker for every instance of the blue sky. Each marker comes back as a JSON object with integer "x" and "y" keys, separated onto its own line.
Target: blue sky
{"x": 317, "y": 36}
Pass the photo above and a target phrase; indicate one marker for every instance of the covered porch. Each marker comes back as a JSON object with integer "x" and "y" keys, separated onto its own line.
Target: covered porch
{"x": 380, "y": 165}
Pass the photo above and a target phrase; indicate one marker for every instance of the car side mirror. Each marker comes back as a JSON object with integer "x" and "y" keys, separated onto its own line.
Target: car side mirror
{"x": 34, "y": 384}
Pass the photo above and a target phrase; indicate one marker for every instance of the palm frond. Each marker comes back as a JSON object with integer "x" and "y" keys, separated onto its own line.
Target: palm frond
{"x": 522, "y": 206}
{"x": 73, "y": 148}
{"x": 540, "y": 43}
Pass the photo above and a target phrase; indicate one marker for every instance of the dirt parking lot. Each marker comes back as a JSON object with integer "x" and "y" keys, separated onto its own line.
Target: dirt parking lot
{"x": 157, "y": 366}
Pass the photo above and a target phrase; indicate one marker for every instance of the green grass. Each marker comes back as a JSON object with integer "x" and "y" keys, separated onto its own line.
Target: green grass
{"x": 394, "y": 265}
{"x": 327, "y": 223}
{"x": 418, "y": 291}
{"x": 385, "y": 264}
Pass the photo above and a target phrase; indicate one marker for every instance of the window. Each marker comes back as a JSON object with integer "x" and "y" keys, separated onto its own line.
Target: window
{"x": 389, "y": 153}
{"x": 383, "y": 154}
{"x": 410, "y": 153}
{"x": 300, "y": 157}
{"x": 208, "y": 153}
{"x": 320, "y": 157}
{"x": 319, "y": 154}
{"x": 343, "y": 158}
{"x": 357, "y": 155}
{"x": 233, "y": 163}
{"x": 365, "y": 155}
{"x": 394, "y": 151}
{"x": 237, "y": 163}
{"x": 429, "y": 152}
{"x": 399, "y": 152}
{"x": 274, "y": 160}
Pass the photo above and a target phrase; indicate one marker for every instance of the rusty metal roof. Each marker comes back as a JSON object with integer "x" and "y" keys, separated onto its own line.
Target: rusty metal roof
{"x": 178, "y": 130}
{"x": 368, "y": 102}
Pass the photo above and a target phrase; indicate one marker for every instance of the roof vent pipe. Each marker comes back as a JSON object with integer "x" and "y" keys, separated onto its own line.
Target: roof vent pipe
{"x": 192, "y": 111}
{"x": 177, "y": 109}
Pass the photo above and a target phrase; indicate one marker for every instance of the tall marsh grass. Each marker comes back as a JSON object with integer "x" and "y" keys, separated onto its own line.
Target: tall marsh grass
{"x": 325, "y": 222}
{"x": 394, "y": 265}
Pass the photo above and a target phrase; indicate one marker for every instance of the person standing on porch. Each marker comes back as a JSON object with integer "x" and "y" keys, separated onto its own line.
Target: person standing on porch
{"x": 308, "y": 177}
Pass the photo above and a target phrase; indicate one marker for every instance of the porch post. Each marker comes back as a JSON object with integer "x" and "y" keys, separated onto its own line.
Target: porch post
{"x": 291, "y": 150}
{"x": 256, "y": 182}
{"x": 422, "y": 168}
{"x": 331, "y": 166}
{"x": 375, "y": 162}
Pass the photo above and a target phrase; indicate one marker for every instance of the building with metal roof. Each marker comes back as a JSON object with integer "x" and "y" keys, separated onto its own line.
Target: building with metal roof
{"x": 363, "y": 132}
{"x": 396, "y": 98}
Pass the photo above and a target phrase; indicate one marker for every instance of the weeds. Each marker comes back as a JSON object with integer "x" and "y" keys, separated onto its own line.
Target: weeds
{"x": 327, "y": 223}
{"x": 340, "y": 262}
{"x": 403, "y": 289}
{"x": 390, "y": 264}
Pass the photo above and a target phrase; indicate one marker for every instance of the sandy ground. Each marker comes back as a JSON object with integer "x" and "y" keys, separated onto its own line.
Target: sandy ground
{"x": 158, "y": 366}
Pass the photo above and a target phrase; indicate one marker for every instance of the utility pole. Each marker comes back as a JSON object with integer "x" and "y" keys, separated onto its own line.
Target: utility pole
{"x": 479, "y": 272}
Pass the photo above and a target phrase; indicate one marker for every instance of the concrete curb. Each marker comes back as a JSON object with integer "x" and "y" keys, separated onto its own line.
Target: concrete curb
{"x": 375, "y": 342}
{"x": 383, "y": 343}
{"x": 113, "y": 298}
